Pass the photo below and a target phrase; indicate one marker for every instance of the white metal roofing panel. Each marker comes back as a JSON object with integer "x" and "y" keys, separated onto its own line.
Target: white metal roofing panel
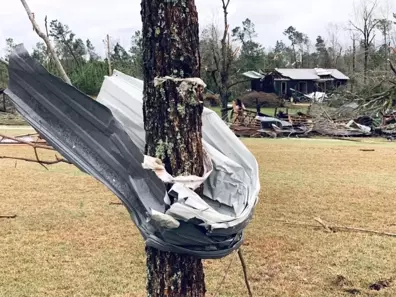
{"x": 298, "y": 73}
{"x": 338, "y": 74}
{"x": 310, "y": 74}
{"x": 253, "y": 74}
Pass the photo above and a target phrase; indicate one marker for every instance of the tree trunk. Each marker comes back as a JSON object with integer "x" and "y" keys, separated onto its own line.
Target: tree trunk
{"x": 224, "y": 96}
{"x": 353, "y": 62}
{"x": 366, "y": 54}
{"x": 172, "y": 120}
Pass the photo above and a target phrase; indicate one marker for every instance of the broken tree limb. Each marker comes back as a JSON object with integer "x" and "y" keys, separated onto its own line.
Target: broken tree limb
{"x": 241, "y": 258}
{"x": 45, "y": 147}
{"x": 47, "y": 42}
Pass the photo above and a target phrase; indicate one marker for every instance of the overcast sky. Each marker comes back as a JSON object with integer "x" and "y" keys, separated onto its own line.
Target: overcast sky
{"x": 120, "y": 18}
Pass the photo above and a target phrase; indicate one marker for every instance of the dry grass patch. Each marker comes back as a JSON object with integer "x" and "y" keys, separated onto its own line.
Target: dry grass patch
{"x": 68, "y": 241}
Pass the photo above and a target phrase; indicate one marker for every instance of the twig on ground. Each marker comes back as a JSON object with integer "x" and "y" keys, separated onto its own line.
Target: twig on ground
{"x": 224, "y": 277}
{"x": 8, "y": 217}
{"x": 115, "y": 203}
{"x": 241, "y": 258}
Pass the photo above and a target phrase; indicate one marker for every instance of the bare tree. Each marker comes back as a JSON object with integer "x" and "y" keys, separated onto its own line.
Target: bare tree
{"x": 365, "y": 24}
{"x": 335, "y": 48}
{"x": 172, "y": 111}
{"x": 223, "y": 57}
{"x": 385, "y": 26}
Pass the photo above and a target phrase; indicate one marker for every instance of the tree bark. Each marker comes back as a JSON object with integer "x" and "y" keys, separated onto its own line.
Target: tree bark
{"x": 172, "y": 119}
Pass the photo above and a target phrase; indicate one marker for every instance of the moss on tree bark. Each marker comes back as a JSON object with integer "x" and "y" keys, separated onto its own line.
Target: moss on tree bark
{"x": 172, "y": 120}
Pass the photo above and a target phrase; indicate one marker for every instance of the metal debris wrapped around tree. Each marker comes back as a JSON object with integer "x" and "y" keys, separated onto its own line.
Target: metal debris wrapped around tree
{"x": 106, "y": 138}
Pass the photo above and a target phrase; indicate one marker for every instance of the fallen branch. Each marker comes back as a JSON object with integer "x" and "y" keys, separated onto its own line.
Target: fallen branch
{"x": 245, "y": 272}
{"x": 34, "y": 145}
{"x": 8, "y": 217}
{"x": 335, "y": 228}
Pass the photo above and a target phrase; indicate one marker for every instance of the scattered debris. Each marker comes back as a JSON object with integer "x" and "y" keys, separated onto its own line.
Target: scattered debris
{"x": 380, "y": 285}
{"x": 335, "y": 115}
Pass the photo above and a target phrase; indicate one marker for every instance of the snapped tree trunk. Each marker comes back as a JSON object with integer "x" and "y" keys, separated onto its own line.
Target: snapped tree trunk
{"x": 172, "y": 120}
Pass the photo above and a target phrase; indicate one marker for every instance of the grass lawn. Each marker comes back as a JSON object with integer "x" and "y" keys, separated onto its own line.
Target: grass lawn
{"x": 69, "y": 241}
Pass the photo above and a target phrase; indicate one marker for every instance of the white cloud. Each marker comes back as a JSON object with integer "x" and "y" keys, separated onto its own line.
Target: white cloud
{"x": 94, "y": 19}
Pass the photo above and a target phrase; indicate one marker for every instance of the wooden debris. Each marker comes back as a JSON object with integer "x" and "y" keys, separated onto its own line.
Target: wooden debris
{"x": 367, "y": 150}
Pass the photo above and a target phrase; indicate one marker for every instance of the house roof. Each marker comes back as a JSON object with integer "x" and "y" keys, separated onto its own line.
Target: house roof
{"x": 301, "y": 73}
{"x": 253, "y": 74}
{"x": 310, "y": 74}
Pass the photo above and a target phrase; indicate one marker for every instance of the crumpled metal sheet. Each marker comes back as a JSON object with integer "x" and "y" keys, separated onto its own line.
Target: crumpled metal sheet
{"x": 233, "y": 185}
{"x": 105, "y": 143}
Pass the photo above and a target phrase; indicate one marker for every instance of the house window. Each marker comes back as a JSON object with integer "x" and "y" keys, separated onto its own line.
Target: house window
{"x": 302, "y": 87}
{"x": 283, "y": 87}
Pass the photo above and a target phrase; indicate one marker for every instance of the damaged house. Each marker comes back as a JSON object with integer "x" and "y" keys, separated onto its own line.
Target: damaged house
{"x": 281, "y": 81}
